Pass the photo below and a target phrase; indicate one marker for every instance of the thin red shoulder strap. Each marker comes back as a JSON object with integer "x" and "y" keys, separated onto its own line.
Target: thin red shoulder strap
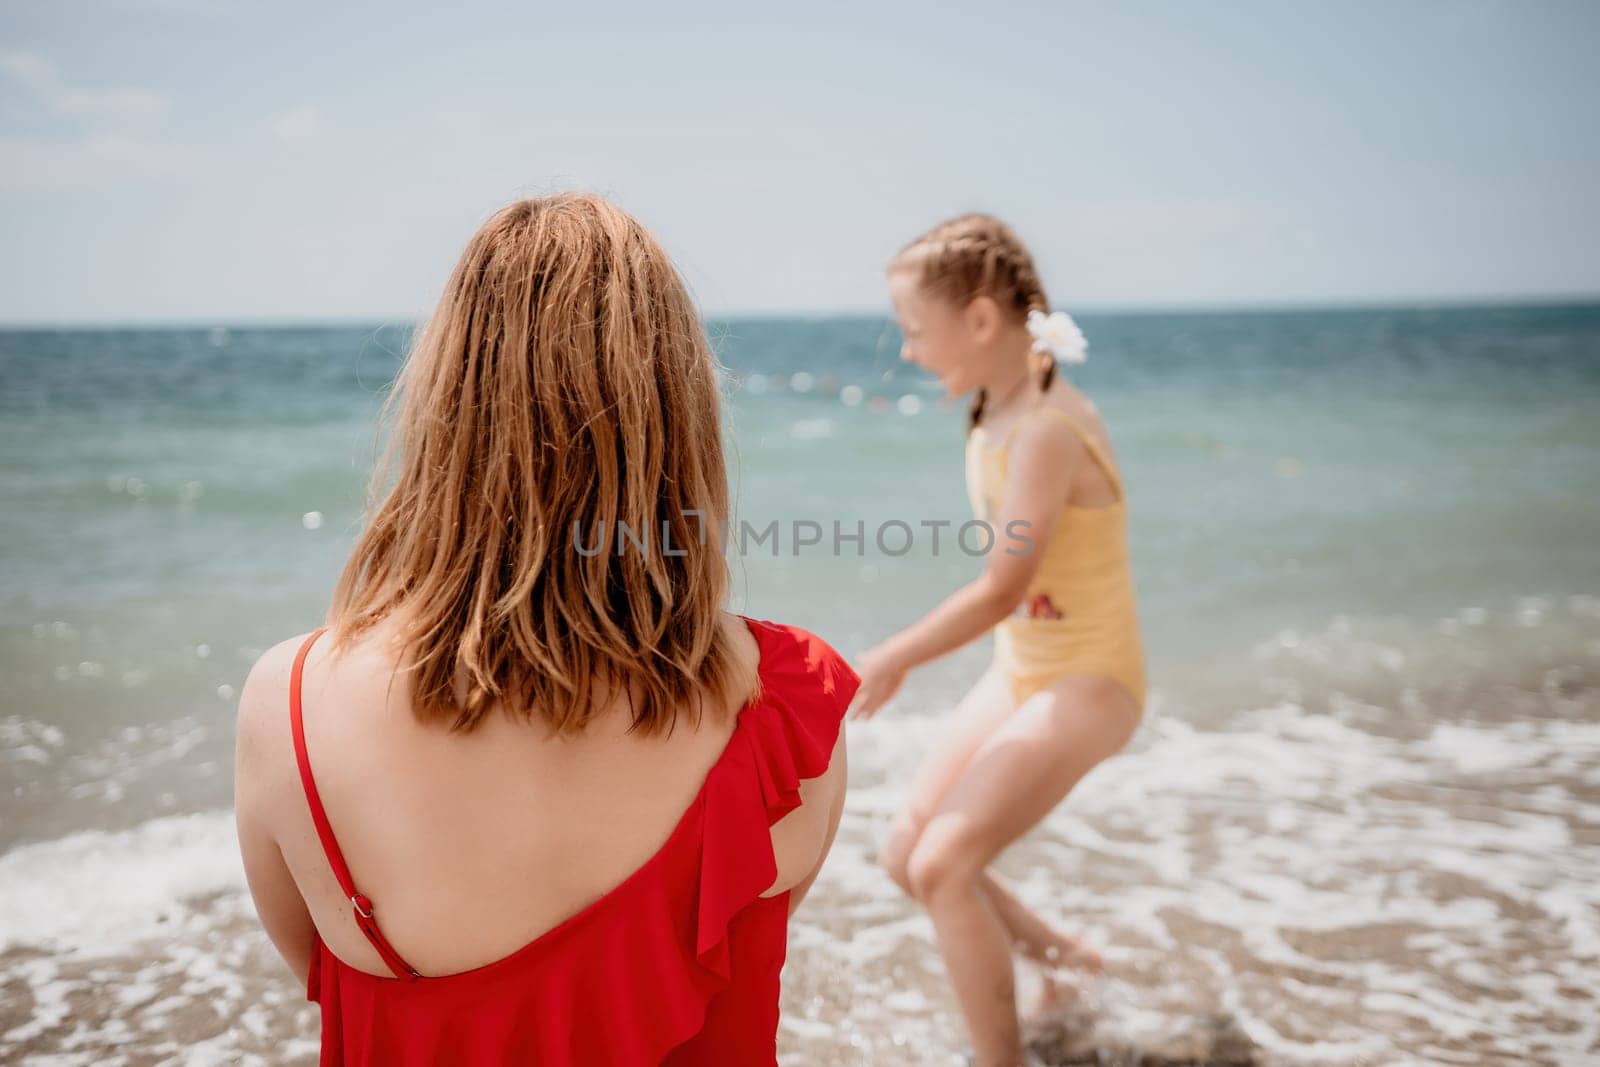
{"x": 319, "y": 817}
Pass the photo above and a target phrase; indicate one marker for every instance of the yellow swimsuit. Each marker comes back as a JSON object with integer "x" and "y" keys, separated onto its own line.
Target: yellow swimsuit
{"x": 1079, "y": 615}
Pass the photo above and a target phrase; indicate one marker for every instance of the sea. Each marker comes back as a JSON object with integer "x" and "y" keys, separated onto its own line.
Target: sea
{"x": 1359, "y": 825}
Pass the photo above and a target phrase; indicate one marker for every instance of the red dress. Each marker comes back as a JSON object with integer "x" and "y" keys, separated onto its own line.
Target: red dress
{"x": 678, "y": 964}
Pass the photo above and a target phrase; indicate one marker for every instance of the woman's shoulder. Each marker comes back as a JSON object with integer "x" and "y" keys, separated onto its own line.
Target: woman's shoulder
{"x": 794, "y": 654}
{"x": 263, "y": 741}
{"x": 796, "y": 726}
{"x": 264, "y": 698}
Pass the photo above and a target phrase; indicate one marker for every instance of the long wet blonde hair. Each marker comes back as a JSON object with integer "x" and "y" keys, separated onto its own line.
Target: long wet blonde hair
{"x": 564, "y": 385}
{"x": 977, "y": 255}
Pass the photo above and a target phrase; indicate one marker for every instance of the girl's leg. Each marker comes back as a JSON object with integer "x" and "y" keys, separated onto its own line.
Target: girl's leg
{"x": 987, "y": 704}
{"x": 980, "y": 713}
{"x": 1015, "y": 777}
{"x": 1033, "y": 936}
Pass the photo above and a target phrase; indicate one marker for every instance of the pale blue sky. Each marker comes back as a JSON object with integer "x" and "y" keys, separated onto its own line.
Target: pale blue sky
{"x": 225, "y": 160}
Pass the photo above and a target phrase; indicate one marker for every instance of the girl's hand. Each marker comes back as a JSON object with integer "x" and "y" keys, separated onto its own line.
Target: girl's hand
{"x": 881, "y": 675}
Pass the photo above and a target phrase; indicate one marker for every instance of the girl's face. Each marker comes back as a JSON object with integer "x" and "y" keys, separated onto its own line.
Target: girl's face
{"x": 938, "y": 337}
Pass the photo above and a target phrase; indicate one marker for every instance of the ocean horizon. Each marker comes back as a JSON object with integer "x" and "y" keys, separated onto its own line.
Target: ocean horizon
{"x": 1438, "y": 302}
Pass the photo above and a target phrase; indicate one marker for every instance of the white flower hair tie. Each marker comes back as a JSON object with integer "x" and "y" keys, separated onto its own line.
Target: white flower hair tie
{"x": 1057, "y": 334}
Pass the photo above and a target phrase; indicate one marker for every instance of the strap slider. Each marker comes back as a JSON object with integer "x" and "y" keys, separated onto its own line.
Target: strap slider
{"x": 362, "y": 905}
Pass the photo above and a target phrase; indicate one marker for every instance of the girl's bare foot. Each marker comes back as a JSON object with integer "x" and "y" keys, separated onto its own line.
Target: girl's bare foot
{"x": 1052, "y": 996}
{"x": 1057, "y": 965}
{"x": 1065, "y": 952}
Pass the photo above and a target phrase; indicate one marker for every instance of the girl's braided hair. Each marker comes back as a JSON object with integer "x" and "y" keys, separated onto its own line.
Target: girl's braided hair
{"x": 978, "y": 255}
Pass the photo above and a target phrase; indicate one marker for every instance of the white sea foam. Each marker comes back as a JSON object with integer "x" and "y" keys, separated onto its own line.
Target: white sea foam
{"x": 103, "y": 892}
{"x": 1353, "y": 882}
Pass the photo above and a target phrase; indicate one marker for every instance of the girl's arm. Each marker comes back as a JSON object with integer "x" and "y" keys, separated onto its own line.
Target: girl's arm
{"x": 1043, "y": 452}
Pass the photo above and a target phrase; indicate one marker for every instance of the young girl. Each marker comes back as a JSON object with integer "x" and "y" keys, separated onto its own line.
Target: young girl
{"x": 1066, "y": 688}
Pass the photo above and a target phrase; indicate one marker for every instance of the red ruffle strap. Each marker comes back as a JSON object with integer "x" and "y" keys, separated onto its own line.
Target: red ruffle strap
{"x": 784, "y": 738}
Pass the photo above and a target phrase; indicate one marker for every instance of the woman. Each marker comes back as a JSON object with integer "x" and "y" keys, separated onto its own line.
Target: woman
{"x": 524, "y": 801}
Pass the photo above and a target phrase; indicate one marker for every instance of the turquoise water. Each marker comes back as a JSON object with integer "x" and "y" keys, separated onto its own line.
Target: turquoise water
{"x": 1365, "y": 548}
{"x": 1283, "y": 469}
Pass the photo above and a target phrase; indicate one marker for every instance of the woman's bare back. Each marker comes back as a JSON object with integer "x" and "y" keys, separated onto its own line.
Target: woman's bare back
{"x": 473, "y": 844}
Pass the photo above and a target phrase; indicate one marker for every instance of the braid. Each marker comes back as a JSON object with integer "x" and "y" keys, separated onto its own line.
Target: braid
{"x": 975, "y": 411}
{"x": 978, "y": 255}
